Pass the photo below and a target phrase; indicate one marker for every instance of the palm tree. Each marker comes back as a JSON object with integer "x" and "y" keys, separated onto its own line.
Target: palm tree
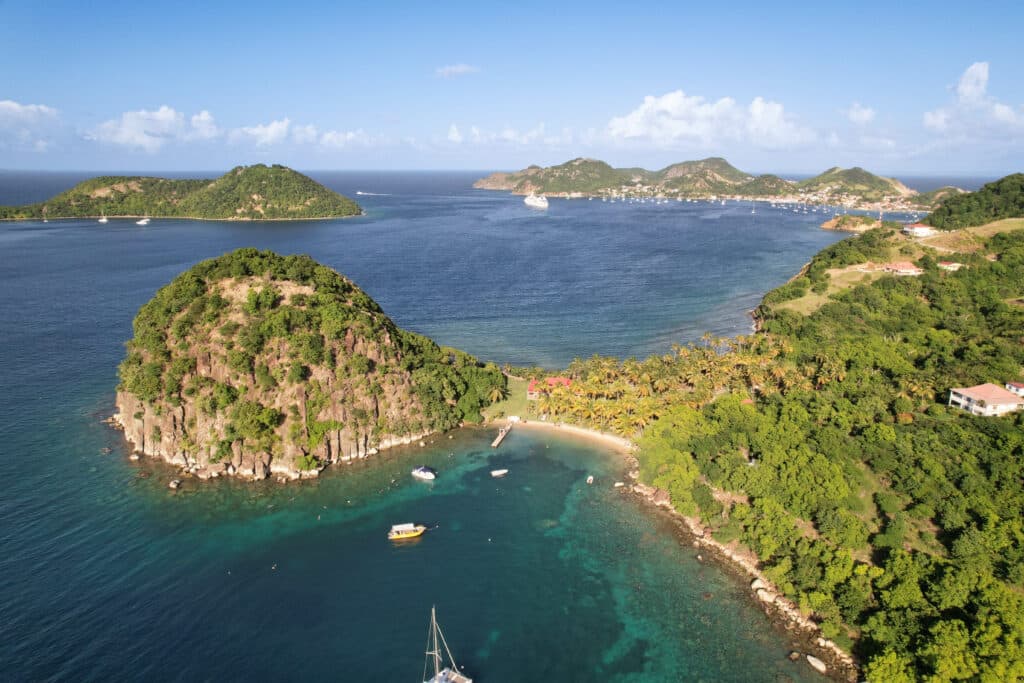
{"x": 498, "y": 393}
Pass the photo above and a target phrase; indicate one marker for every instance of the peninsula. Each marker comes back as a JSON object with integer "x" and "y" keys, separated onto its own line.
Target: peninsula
{"x": 859, "y": 454}
{"x": 715, "y": 178}
{"x": 255, "y": 364}
{"x": 255, "y": 192}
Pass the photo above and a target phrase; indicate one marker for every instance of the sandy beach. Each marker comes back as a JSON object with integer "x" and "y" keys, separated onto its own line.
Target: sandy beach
{"x": 617, "y": 443}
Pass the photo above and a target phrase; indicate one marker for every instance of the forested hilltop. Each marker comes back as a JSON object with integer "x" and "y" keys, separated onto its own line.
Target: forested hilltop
{"x": 244, "y": 193}
{"x": 713, "y": 177}
{"x": 1001, "y": 199}
{"x": 254, "y": 363}
{"x": 824, "y": 444}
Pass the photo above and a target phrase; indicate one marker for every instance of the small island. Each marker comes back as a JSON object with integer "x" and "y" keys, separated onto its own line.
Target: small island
{"x": 715, "y": 178}
{"x": 257, "y": 192}
{"x": 254, "y": 364}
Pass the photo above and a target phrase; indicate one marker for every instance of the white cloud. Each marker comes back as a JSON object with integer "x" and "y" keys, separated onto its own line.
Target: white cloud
{"x": 680, "y": 118}
{"x": 974, "y": 113}
{"x": 338, "y": 139}
{"x": 26, "y": 125}
{"x": 937, "y": 120}
{"x": 511, "y": 136}
{"x": 12, "y": 112}
{"x": 973, "y": 83}
{"x": 144, "y": 129}
{"x": 304, "y": 135}
{"x": 859, "y": 114}
{"x": 264, "y": 134}
{"x": 203, "y": 126}
{"x": 150, "y": 130}
{"x": 454, "y": 70}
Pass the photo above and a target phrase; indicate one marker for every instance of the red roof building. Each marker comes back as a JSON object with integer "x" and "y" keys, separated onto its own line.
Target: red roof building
{"x": 985, "y": 399}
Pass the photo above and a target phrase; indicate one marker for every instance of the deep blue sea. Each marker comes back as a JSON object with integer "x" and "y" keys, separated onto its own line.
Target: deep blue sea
{"x": 108, "y": 575}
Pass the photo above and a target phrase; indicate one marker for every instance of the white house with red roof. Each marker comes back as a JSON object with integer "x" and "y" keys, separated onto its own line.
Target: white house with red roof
{"x": 1015, "y": 387}
{"x": 985, "y": 399}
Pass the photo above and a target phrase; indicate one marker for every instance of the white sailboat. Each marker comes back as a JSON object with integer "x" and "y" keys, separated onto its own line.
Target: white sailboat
{"x": 447, "y": 674}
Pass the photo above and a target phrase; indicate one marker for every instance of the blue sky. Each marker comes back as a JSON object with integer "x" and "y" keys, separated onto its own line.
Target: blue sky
{"x": 900, "y": 88}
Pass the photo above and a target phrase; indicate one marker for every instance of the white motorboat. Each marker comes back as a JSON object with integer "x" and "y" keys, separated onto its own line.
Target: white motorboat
{"x": 142, "y": 221}
{"x": 497, "y": 474}
{"x": 103, "y": 219}
{"x": 536, "y": 201}
{"x": 425, "y": 473}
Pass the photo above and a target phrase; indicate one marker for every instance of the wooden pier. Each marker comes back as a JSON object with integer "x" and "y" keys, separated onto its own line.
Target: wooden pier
{"x": 502, "y": 433}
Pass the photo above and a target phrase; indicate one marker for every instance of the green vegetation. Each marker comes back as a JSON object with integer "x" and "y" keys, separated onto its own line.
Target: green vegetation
{"x": 855, "y": 181}
{"x": 934, "y": 198}
{"x": 891, "y": 519}
{"x": 246, "y": 192}
{"x": 713, "y": 176}
{"x": 281, "y": 355}
{"x": 1003, "y": 198}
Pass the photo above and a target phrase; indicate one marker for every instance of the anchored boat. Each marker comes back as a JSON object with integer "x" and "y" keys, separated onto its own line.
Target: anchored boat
{"x": 447, "y": 674}
{"x": 536, "y": 201}
{"x": 400, "y": 532}
{"x": 425, "y": 473}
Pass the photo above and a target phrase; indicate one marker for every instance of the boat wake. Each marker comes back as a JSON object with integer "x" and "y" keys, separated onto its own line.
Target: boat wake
{"x": 373, "y": 194}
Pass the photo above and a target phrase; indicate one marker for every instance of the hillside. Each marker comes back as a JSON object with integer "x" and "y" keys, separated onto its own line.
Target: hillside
{"x": 254, "y": 363}
{"x": 1001, "y": 199}
{"x": 711, "y": 177}
{"x": 835, "y": 184}
{"x": 244, "y": 193}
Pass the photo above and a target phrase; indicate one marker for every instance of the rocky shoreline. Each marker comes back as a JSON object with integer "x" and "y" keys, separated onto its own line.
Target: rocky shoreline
{"x": 825, "y": 657}
{"x": 248, "y": 466}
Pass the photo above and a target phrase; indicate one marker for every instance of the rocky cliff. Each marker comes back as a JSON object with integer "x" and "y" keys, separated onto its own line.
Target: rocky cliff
{"x": 255, "y": 364}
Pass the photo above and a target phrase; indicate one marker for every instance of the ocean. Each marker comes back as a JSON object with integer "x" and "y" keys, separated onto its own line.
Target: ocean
{"x": 109, "y": 575}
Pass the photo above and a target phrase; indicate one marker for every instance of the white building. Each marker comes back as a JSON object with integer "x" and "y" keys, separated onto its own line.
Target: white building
{"x": 985, "y": 399}
{"x": 1015, "y": 387}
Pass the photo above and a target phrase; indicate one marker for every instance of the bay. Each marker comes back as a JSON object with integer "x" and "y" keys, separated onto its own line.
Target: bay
{"x": 108, "y": 574}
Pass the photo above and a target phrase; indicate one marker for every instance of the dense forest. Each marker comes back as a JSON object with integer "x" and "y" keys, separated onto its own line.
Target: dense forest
{"x": 246, "y": 192}
{"x": 253, "y": 353}
{"x": 1003, "y": 198}
{"x": 824, "y": 444}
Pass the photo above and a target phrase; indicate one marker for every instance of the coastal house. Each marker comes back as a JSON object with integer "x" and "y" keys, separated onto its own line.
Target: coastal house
{"x": 985, "y": 399}
{"x": 533, "y": 389}
{"x": 902, "y": 268}
{"x": 951, "y": 266}
{"x": 1015, "y": 387}
{"x": 918, "y": 230}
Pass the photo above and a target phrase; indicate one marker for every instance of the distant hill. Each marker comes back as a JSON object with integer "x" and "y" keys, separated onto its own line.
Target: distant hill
{"x": 836, "y": 182}
{"x": 713, "y": 176}
{"x": 244, "y": 193}
{"x": 1003, "y": 198}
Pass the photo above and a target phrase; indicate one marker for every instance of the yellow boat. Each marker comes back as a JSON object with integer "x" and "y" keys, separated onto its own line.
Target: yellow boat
{"x": 400, "y": 532}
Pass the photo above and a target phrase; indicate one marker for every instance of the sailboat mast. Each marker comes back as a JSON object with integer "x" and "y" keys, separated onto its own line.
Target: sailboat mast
{"x": 435, "y": 650}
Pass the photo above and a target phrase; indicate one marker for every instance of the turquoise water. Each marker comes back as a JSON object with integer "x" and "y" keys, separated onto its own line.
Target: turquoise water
{"x": 109, "y": 575}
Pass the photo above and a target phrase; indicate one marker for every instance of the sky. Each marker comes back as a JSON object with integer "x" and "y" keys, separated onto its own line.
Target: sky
{"x": 905, "y": 88}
